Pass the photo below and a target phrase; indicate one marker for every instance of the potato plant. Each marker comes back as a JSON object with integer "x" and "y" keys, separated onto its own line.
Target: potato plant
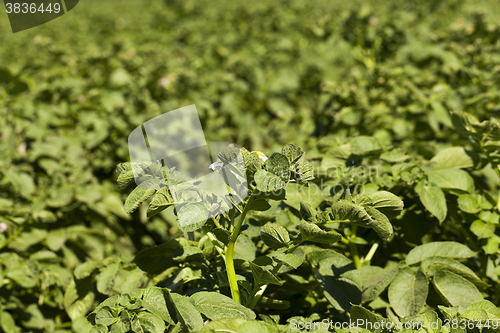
{"x": 313, "y": 241}
{"x": 395, "y": 102}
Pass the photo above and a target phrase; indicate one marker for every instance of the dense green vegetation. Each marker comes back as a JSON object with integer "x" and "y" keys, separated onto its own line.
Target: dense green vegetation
{"x": 390, "y": 216}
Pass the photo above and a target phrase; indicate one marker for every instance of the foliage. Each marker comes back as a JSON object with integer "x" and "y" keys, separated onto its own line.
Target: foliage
{"x": 391, "y": 218}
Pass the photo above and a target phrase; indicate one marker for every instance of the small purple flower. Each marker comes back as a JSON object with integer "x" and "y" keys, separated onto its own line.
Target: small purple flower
{"x": 216, "y": 165}
{"x": 3, "y": 227}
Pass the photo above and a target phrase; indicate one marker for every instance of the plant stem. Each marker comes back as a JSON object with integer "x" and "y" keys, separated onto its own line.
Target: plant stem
{"x": 258, "y": 292}
{"x": 216, "y": 223}
{"x": 214, "y": 241}
{"x": 231, "y": 273}
{"x": 354, "y": 249}
{"x": 63, "y": 325}
{"x": 372, "y": 251}
{"x": 11, "y": 238}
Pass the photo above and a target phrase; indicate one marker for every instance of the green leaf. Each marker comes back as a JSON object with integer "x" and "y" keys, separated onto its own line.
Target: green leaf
{"x": 187, "y": 253}
{"x": 311, "y": 232}
{"x": 276, "y": 175}
{"x": 382, "y": 225}
{"x": 490, "y": 217}
{"x": 27, "y": 239}
{"x": 440, "y": 249}
{"x": 408, "y": 292}
{"x": 7, "y": 323}
{"x": 464, "y": 123}
{"x": 140, "y": 194}
{"x": 227, "y": 325}
{"x": 268, "y": 182}
{"x": 303, "y": 173}
{"x": 364, "y": 316}
{"x": 363, "y": 145}
{"x": 259, "y": 205}
{"x": 157, "y": 301}
{"x": 251, "y": 160}
{"x": 433, "y": 199}
{"x": 449, "y": 312}
{"x": 217, "y": 306}
{"x": 482, "y": 229}
{"x": 244, "y": 248}
{"x": 337, "y": 277}
{"x": 473, "y": 203}
{"x": 453, "y": 157}
{"x": 374, "y": 280}
{"x": 483, "y": 311}
{"x": 105, "y": 316}
{"x": 187, "y": 313}
{"x": 492, "y": 246}
{"x": 294, "y": 154}
{"x": 99, "y": 328}
{"x": 22, "y": 182}
{"x": 272, "y": 303}
{"x": 124, "y": 324}
{"x": 106, "y": 279}
{"x": 386, "y": 202}
{"x": 158, "y": 258}
{"x": 297, "y": 194}
{"x": 23, "y": 273}
{"x": 274, "y": 236}
{"x": 456, "y": 290}
{"x": 452, "y": 179}
{"x": 290, "y": 260}
{"x": 394, "y": 157}
{"x": 430, "y": 322}
{"x": 125, "y": 175}
{"x": 434, "y": 264}
{"x": 263, "y": 276}
{"x": 78, "y": 298}
{"x": 148, "y": 323}
{"x": 192, "y": 216}
{"x": 307, "y": 212}
{"x": 129, "y": 279}
{"x": 81, "y": 325}
{"x": 161, "y": 200}
{"x": 364, "y": 216}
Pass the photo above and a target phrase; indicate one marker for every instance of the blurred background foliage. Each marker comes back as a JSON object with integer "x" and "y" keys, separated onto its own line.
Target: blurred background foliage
{"x": 261, "y": 73}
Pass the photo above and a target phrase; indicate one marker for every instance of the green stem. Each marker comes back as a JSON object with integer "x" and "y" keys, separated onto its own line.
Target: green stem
{"x": 337, "y": 221}
{"x": 63, "y": 325}
{"x": 11, "y": 238}
{"x": 372, "y": 251}
{"x": 216, "y": 223}
{"x": 231, "y": 272}
{"x": 354, "y": 249}
{"x": 214, "y": 241}
{"x": 257, "y": 292}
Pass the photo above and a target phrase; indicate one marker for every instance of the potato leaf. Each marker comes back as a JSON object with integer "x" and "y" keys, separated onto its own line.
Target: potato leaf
{"x": 408, "y": 292}
{"x": 441, "y": 249}
{"x": 217, "y": 306}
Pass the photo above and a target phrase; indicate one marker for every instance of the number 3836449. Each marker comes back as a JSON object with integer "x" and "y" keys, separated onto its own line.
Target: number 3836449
{"x": 32, "y": 8}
